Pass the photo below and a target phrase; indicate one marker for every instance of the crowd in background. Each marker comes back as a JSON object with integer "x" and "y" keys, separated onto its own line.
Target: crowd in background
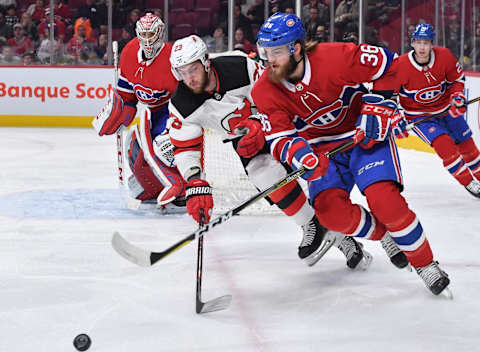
{"x": 80, "y": 27}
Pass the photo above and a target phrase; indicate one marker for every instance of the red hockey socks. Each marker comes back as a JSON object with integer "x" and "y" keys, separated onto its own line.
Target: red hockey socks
{"x": 448, "y": 151}
{"x": 389, "y": 206}
{"x": 471, "y": 155}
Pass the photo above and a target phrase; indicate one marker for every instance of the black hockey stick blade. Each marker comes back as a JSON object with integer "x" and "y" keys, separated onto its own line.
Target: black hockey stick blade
{"x": 219, "y": 303}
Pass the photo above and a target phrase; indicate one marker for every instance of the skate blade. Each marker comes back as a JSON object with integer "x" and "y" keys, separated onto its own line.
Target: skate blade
{"x": 313, "y": 258}
{"x": 365, "y": 262}
{"x": 409, "y": 267}
{"x": 447, "y": 293}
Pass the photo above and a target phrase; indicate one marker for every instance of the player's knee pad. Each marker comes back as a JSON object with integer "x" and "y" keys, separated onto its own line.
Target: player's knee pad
{"x": 387, "y": 204}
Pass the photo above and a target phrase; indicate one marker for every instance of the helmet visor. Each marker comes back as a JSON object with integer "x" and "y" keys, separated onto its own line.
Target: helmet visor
{"x": 275, "y": 52}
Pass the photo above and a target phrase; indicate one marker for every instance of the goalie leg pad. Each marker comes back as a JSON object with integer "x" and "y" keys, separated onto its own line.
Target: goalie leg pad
{"x": 144, "y": 185}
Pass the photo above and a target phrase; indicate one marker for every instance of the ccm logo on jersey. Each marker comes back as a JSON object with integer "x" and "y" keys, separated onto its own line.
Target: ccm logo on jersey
{"x": 147, "y": 95}
{"x": 429, "y": 94}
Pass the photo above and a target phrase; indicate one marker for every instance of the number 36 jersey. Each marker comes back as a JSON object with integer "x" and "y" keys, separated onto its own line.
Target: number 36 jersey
{"x": 325, "y": 104}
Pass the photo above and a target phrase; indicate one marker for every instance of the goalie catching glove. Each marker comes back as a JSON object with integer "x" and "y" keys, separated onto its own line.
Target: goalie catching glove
{"x": 373, "y": 125}
{"x": 458, "y": 103}
{"x": 199, "y": 200}
{"x": 298, "y": 153}
{"x": 115, "y": 113}
{"x": 253, "y": 140}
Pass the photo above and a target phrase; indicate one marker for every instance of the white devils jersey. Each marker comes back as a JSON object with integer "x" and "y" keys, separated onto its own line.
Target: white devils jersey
{"x": 220, "y": 110}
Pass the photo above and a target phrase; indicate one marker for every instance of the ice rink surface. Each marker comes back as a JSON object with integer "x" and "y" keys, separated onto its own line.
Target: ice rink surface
{"x": 59, "y": 276}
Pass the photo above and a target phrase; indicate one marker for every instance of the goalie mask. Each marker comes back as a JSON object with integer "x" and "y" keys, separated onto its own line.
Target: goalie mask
{"x": 186, "y": 51}
{"x": 150, "y": 33}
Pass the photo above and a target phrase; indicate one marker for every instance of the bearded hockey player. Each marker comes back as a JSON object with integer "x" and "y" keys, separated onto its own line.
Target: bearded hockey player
{"x": 216, "y": 94}
{"x": 312, "y": 98}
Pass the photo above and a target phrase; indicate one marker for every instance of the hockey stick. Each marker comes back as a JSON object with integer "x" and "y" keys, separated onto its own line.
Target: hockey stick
{"x": 212, "y": 305}
{"x": 119, "y": 134}
{"x": 351, "y": 142}
{"x": 147, "y": 258}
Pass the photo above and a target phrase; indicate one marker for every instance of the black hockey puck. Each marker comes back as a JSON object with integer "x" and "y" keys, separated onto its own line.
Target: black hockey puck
{"x": 82, "y": 342}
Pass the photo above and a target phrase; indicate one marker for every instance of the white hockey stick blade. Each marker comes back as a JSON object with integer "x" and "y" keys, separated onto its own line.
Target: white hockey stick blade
{"x": 130, "y": 252}
{"x": 214, "y": 305}
{"x": 447, "y": 293}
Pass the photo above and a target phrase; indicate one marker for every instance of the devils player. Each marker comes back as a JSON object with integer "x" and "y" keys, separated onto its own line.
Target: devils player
{"x": 216, "y": 94}
{"x": 429, "y": 81}
{"x": 311, "y": 99}
{"x": 145, "y": 77}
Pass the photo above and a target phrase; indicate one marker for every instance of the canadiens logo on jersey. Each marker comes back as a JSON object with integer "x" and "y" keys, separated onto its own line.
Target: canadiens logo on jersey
{"x": 429, "y": 94}
{"x": 331, "y": 115}
{"x": 149, "y": 96}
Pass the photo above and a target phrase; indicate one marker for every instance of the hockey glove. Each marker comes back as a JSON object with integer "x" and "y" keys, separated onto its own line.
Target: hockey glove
{"x": 458, "y": 105}
{"x": 199, "y": 199}
{"x": 253, "y": 141}
{"x": 300, "y": 154}
{"x": 113, "y": 115}
{"x": 399, "y": 126}
{"x": 373, "y": 125}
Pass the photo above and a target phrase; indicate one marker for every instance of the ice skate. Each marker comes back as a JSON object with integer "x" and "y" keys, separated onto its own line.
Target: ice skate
{"x": 397, "y": 257}
{"x": 435, "y": 279}
{"x": 356, "y": 256}
{"x": 317, "y": 240}
{"x": 474, "y": 188}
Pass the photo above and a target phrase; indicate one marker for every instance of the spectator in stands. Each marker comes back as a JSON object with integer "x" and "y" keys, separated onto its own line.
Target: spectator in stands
{"x": 350, "y": 37}
{"x": 453, "y": 35}
{"x": 29, "y": 28}
{"x": 84, "y": 29}
{"x": 242, "y": 21}
{"x": 19, "y": 42}
{"x": 289, "y": 10}
{"x": 217, "y": 43}
{"x": 125, "y": 38}
{"x": 59, "y": 27}
{"x": 132, "y": 19}
{"x": 37, "y": 11}
{"x": 79, "y": 48}
{"x": 311, "y": 24}
{"x": 321, "y": 34}
{"x": 28, "y": 59}
{"x": 346, "y": 16}
{"x": 43, "y": 51}
{"x": 8, "y": 57}
{"x": 97, "y": 13}
{"x": 11, "y": 15}
{"x": 100, "y": 49}
{"x": 240, "y": 43}
{"x": 256, "y": 12}
{"x": 5, "y": 29}
{"x": 323, "y": 14}
{"x": 63, "y": 11}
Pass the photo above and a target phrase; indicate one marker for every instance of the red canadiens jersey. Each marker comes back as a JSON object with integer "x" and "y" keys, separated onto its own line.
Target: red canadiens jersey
{"x": 424, "y": 89}
{"x": 150, "y": 82}
{"x": 325, "y": 104}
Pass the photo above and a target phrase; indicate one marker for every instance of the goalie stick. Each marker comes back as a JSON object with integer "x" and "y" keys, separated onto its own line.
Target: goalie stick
{"x": 119, "y": 134}
{"x": 212, "y": 305}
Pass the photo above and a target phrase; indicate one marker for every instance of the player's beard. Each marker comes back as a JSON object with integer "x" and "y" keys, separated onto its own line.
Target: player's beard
{"x": 203, "y": 84}
{"x": 282, "y": 72}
